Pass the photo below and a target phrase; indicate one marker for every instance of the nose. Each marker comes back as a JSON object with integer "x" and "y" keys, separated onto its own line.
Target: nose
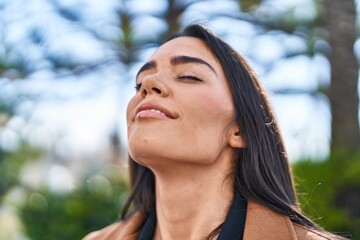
{"x": 151, "y": 85}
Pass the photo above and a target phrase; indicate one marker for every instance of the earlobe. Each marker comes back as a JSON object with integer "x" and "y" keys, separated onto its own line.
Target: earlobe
{"x": 236, "y": 140}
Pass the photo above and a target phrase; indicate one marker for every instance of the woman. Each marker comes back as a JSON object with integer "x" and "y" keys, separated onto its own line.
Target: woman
{"x": 208, "y": 161}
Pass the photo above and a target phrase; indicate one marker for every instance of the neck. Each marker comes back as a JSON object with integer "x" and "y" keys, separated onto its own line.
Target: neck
{"x": 191, "y": 201}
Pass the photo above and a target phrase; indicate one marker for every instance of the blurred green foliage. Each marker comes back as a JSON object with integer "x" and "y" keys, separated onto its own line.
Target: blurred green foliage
{"x": 329, "y": 192}
{"x": 95, "y": 204}
{"x": 12, "y": 162}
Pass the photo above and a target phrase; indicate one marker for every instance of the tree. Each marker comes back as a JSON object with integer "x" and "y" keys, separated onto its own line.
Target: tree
{"x": 340, "y": 18}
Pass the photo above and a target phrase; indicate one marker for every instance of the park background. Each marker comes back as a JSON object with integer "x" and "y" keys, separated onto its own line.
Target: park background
{"x": 67, "y": 71}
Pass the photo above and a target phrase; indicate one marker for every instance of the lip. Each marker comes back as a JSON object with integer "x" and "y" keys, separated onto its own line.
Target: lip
{"x": 153, "y": 111}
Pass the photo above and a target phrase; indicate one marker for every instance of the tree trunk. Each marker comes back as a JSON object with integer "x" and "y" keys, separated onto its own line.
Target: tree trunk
{"x": 343, "y": 92}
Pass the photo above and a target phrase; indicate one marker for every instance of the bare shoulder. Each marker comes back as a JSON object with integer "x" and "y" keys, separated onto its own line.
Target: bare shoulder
{"x": 125, "y": 229}
{"x": 304, "y": 233}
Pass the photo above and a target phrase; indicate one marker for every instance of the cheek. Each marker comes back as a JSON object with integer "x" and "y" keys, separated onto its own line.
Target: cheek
{"x": 218, "y": 105}
{"x": 131, "y": 109}
{"x": 210, "y": 116}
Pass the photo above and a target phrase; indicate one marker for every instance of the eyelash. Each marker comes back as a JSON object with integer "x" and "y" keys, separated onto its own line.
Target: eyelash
{"x": 137, "y": 86}
{"x": 189, "y": 77}
{"x": 180, "y": 77}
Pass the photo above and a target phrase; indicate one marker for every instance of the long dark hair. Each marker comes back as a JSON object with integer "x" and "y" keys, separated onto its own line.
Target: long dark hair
{"x": 262, "y": 173}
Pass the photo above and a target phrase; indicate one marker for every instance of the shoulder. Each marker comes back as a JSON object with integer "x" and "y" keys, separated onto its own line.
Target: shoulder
{"x": 264, "y": 223}
{"x": 304, "y": 233}
{"x": 126, "y": 229}
{"x": 102, "y": 233}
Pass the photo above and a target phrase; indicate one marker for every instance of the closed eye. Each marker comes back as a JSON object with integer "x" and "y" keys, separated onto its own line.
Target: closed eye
{"x": 180, "y": 77}
{"x": 189, "y": 77}
{"x": 137, "y": 86}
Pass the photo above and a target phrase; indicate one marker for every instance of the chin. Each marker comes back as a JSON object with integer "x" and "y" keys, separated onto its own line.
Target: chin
{"x": 144, "y": 150}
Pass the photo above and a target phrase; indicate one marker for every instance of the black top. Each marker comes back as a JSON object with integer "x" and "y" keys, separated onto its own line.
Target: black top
{"x": 233, "y": 227}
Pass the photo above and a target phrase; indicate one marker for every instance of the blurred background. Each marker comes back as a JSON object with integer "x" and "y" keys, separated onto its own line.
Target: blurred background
{"x": 67, "y": 71}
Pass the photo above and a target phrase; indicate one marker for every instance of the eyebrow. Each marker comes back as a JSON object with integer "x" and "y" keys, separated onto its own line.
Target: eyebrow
{"x": 176, "y": 60}
{"x": 147, "y": 66}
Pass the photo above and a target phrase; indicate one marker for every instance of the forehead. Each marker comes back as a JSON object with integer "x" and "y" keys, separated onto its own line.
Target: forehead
{"x": 188, "y": 46}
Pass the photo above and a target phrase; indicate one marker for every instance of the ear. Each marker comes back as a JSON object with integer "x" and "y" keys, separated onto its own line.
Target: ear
{"x": 236, "y": 140}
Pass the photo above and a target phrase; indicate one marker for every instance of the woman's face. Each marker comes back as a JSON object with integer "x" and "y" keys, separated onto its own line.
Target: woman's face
{"x": 182, "y": 111}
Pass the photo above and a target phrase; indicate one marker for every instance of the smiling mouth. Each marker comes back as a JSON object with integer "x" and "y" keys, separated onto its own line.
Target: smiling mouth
{"x": 151, "y": 113}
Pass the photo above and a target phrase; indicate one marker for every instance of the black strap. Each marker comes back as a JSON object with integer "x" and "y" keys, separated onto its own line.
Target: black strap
{"x": 233, "y": 227}
{"x": 234, "y": 224}
{"x": 147, "y": 232}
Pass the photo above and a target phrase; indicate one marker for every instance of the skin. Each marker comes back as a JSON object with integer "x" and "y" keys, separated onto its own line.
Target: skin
{"x": 190, "y": 144}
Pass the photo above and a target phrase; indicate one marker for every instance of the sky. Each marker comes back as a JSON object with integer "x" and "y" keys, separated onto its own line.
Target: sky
{"x": 72, "y": 117}
{"x": 76, "y": 115}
